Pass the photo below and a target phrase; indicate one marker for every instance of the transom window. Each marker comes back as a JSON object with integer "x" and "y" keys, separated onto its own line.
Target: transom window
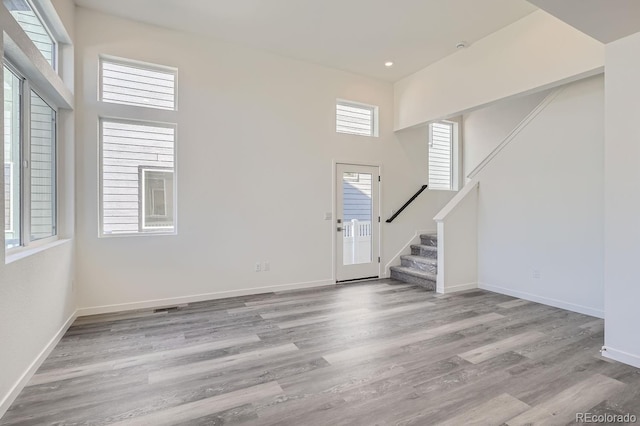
{"x": 356, "y": 118}
{"x": 130, "y": 83}
{"x": 32, "y": 24}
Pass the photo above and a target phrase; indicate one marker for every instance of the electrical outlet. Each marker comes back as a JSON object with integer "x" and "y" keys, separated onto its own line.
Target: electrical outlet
{"x": 258, "y": 267}
{"x": 266, "y": 266}
{"x": 535, "y": 274}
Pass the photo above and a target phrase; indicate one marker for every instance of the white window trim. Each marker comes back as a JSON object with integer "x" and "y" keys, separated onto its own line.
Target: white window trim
{"x": 375, "y": 131}
{"x": 43, "y": 16}
{"x": 456, "y": 157}
{"x": 36, "y": 7}
{"x": 160, "y": 231}
{"x": 140, "y": 65}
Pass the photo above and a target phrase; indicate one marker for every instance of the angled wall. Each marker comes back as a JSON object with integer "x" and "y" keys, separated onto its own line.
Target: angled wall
{"x": 540, "y": 206}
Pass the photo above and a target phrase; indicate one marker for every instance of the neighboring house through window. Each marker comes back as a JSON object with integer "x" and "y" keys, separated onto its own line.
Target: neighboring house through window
{"x": 29, "y": 163}
{"x": 356, "y": 119}
{"x": 33, "y": 25}
{"x": 442, "y": 162}
{"x": 137, "y": 157}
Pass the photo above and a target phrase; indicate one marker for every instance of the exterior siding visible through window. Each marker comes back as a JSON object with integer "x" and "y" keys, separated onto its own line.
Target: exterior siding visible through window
{"x": 137, "y": 157}
{"x": 31, "y": 23}
{"x": 30, "y": 186}
{"x": 130, "y": 84}
{"x": 43, "y": 169}
{"x": 127, "y": 149}
{"x": 356, "y": 119}
{"x": 441, "y": 156}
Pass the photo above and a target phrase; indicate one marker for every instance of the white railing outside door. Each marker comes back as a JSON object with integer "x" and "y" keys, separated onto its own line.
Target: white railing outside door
{"x": 356, "y": 235}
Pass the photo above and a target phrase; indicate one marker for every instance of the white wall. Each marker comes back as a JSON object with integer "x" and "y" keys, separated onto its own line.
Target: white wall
{"x": 458, "y": 242}
{"x": 535, "y": 52}
{"x": 622, "y": 201}
{"x": 256, "y": 142}
{"x": 36, "y": 291}
{"x": 485, "y": 128}
{"x": 540, "y": 206}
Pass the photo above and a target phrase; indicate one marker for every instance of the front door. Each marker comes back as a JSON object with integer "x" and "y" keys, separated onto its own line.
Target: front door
{"x": 357, "y": 222}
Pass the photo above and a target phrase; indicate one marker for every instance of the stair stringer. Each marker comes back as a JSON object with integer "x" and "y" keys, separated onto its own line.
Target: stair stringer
{"x": 458, "y": 242}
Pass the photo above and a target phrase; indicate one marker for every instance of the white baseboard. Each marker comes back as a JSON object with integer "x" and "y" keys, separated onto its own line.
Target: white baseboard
{"x": 621, "y": 356}
{"x": 172, "y": 301}
{"x": 457, "y": 288}
{"x": 544, "y": 300}
{"x": 8, "y": 399}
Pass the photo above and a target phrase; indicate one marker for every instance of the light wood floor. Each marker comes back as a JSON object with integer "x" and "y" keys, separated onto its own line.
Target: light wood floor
{"x": 366, "y": 354}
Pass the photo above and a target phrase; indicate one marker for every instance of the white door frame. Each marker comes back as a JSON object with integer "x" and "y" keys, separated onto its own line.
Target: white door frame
{"x": 334, "y": 225}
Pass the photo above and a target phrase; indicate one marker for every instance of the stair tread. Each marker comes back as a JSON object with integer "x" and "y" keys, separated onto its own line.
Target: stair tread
{"x": 421, "y": 259}
{"x": 424, "y": 246}
{"x": 415, "y": 272}
{"x": 434, "y": 235}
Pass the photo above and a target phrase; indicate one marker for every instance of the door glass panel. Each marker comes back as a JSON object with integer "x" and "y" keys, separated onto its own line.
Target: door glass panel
{"x": 356, "y": 215}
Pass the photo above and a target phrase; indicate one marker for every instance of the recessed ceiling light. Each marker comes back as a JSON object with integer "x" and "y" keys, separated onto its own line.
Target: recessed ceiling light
{"x": 388, "y": 64}
{"x": 462, "y": 45}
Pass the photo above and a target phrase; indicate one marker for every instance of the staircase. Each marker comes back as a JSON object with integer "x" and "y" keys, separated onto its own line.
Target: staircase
{"x": 420, "y": 267}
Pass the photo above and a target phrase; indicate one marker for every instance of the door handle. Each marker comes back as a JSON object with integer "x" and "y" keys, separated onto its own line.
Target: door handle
{"x": 339, "y": 229}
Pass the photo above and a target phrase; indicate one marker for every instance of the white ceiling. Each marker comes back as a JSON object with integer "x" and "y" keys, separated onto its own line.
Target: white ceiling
{"x": 352, "y": 35}
{"x": 604, "y": 20}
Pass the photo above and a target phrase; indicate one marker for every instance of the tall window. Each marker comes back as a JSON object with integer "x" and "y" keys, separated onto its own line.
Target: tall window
{"x": 441, "y": 156}
{"x": 43, "y": 169}
{"x": 12, "y": 160}
{"x": 137, "y": 158}
{"x": 32, "y": 24}
{"x": 29, "y": 164}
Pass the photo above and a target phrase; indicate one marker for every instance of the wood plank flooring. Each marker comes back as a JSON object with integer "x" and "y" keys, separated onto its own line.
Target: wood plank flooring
{"x": 378, "y": 353}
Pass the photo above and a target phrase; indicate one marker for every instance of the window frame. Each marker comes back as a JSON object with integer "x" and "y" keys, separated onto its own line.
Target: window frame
{"x": 139, "y": 65}
{"x": 454, "y": 170}
{"x": 140, "y": 233}
{"x": 45, "y": 24}
{"x": 26, "y": 242}
{"x": 353, "y": 104}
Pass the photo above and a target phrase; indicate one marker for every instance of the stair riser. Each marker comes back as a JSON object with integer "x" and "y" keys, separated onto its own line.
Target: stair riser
{"x": 426, "y": 267}
{"x": 418, "y": 251}
{"x": 429, "y": 240}
{"x": 422, "y": 282}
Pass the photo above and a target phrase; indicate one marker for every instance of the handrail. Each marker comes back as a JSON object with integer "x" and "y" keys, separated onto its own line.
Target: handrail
{"x": 396, "y": 214}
